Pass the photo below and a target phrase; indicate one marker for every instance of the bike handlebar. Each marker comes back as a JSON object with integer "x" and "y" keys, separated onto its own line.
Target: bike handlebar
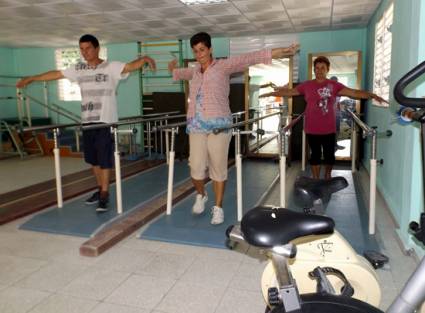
{"x": 402, "y": 84}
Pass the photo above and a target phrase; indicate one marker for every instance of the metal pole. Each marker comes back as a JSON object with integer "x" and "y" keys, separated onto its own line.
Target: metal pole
{"x": 167, "y": 147}
{"x": 149, "y": 141}
{"x": 161, "y": 133}
{"x": 353, "y": 147}
{"x": 155, "y": 138}
{"x": 46, "y": 99}
{"x": 171, "y": 173}
{"x": 28, "y": 109}
{"x": 130, "y": 143}
{"x": 238, "y": 174}
{"x": 258, "y": 136}
{"x": 412, "y": 295}
{"x": 303, "y": 157}
{"x": 282, "y": 168}
{"x": 19, "y": 99}
{"x": 114, "y": 130}
{"x": 77, "y": 139}
{"x": 58, "y": 175}
{"x": 372, "y": 197}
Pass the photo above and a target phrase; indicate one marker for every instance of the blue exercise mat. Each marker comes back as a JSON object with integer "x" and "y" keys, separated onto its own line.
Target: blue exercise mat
{"x": 76, "y": 218}
{"x": 184, "y": 227}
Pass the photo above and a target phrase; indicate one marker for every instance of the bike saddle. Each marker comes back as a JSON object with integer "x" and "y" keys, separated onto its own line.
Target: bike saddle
{"x": 308, "y": 190}
{"x": 267, "y": 226}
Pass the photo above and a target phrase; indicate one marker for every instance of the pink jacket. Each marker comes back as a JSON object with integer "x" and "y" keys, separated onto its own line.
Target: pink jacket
{"x": 214, "y": 82}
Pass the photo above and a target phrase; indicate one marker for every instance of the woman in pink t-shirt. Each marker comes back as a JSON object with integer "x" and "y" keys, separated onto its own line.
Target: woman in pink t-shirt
{"x": 319, "y": 124}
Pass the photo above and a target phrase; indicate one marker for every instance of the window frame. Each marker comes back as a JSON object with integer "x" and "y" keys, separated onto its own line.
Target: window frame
{"x": 68, "y": 90}
{"x": 383, "y": 55}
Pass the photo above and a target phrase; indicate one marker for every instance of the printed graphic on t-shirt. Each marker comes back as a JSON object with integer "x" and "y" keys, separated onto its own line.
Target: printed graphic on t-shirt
{"x": 325, "y": 94}
{"x": 98, "y": 89}
{"x": 97, "y": 78}
{"x": 90, "y": 106}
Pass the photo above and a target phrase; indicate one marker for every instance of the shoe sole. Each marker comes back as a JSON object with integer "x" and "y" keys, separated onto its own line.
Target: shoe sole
{"x": 217, "y": 223}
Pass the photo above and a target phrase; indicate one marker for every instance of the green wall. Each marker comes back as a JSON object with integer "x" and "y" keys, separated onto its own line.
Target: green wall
{"x": 128, "y": 90}
{"x": 7, "y": 70}
{"x": 400, "y": 177}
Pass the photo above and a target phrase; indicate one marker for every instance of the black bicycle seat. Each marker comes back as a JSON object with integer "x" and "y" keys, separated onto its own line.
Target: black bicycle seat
{"x": 267, "y": 226}
{"x": 307, "y": 190}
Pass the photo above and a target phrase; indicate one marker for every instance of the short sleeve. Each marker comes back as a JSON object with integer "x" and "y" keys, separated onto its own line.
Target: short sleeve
{"x": 116, "y": 69}
{"x": 70, "y": 73}
{"x": 301, "y": 88}
{"x": 338, "y": 87}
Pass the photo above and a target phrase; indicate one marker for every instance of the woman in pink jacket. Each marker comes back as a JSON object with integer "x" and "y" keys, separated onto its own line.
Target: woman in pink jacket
{"x": 208, "y": 109}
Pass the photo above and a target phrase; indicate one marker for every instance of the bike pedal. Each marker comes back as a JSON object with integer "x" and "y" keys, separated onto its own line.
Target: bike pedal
{"x": 273, "y": 296}
{"x": 375, "y": 258}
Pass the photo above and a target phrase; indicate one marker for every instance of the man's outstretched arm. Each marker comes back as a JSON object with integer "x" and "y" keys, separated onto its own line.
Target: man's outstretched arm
{"x": 137, "y": 64}
{"x": 47, "y": 76}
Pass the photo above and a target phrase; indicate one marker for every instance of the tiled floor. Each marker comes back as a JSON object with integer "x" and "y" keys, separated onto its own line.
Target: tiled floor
{"x": 44, "y": 273}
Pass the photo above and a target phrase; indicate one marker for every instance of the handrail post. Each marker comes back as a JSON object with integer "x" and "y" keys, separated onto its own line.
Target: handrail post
{"x": 372, "y": 196}
{"x": 238, "y": 157}
{"x": 161, "y": 139}
{"x": 171, "y": 172}
{"x": 149, "y": 139}
{"x": 46, "y": 99}
{"x": 19, "y": 99}
{"x": 282, "y": 167}
{"x": 354, "y": 140}
{"x": 167, "y": 147}
{"x": 77, "y": 139}
{"x": 58, "y": 176}
{"x": 28, "y": 110}
{"x": 258, "y": 127}
{"x": 155, "y": 139}
{"x": 114, "y": 131}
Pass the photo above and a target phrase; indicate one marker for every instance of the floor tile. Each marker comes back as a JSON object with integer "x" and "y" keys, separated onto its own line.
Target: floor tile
{"x": 186, "y": 297}
{"x": 141, "y": 291}
{"x": 95, "y": 284}
{"x": 64, "y": 304}
{"x": 19, "y": 300}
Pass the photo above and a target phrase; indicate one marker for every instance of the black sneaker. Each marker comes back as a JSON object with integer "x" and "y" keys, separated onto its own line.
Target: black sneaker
{"x": 94, "y": 198}
{"x": 102, "y": 205}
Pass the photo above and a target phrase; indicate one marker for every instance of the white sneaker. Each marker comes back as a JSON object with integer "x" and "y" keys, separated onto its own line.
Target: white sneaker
{"x": 217, "y": 215}
{"x": 199, "y": 205}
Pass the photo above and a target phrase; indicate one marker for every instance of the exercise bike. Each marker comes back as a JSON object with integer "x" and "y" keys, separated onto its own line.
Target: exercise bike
{"x": 277, "y": 230}
{"x": 329, "y": 250}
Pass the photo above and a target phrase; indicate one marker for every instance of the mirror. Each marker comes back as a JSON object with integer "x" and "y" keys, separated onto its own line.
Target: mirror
{"x": 346, "y": 68}
{"x": 258, "y": 79}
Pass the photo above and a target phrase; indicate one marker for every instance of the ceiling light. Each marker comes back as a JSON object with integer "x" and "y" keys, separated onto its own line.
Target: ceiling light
{"x": 194, "y": 2}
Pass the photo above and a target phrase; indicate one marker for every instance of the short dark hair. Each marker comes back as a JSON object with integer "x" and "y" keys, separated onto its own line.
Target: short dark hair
{"x": 89, "y": 38}
{"x": 322, "y": 59}
{"x": 203, "y": 37}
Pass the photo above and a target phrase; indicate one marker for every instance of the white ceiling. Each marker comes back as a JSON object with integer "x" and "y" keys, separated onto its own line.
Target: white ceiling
{"x": 59, "y": 23}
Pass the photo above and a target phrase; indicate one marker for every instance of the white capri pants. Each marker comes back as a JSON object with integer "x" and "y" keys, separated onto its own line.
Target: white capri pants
{"x": 209, "y": 152}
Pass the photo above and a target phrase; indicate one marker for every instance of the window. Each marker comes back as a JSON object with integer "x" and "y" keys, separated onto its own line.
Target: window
{"x": 382, "y": 66}
{"x": 67, "y": 90}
